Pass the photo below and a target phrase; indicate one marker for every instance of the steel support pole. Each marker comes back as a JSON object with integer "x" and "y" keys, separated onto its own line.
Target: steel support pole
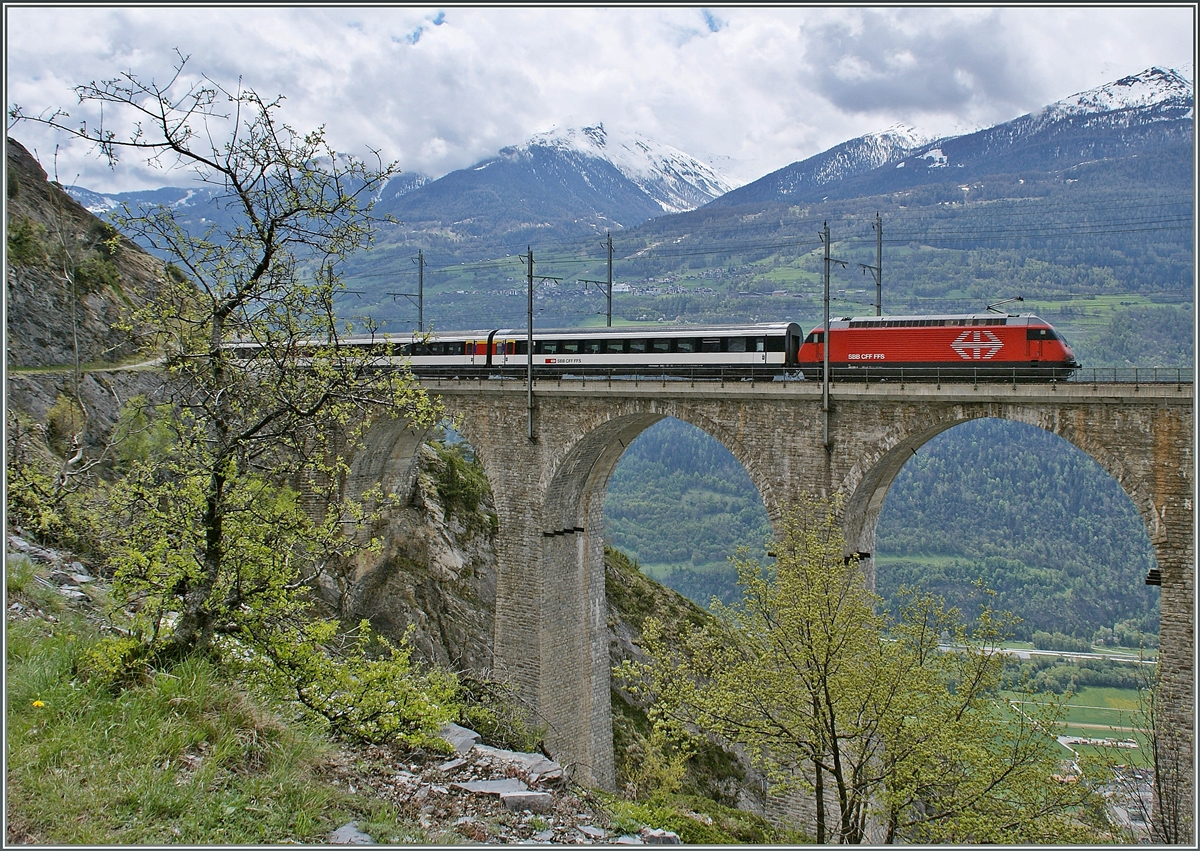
{"x": 529, "y": 349}
{"x": 878, "y": 265}
{"x": 420, "y": 292}
{"x": 609, "y": 324}
{"x": 825, "y": 348}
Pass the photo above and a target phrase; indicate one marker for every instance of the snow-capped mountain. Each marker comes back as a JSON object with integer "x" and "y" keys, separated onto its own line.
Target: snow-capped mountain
{"x": 676, "y": 181}
{"x": 201, "y": 206}
{"x": 571, "y": 180}
{"x": 1141, "y": 112}
{"x": 176, "y": 197}
{"x": 1162, "y": 91}
{"x": 849, "y": 159}
{"x": 579, "y": 180}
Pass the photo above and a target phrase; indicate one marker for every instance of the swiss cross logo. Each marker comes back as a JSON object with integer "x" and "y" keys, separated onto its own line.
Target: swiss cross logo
{"x": 977, "y": 345}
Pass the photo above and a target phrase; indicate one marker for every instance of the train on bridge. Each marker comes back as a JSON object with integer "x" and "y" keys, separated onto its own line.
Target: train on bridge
{"x": 976, "y": 346}
{"x": 980, "y": 347}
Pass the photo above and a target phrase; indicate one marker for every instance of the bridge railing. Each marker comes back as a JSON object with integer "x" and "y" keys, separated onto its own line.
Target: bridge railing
{"x": 1017, "y": 375}
{"x": 1136, "y": 375}
{"x": 863, "y": 375}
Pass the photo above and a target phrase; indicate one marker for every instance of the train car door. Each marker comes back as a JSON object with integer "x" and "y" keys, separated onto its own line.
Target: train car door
{"x": 1036, "y": 338}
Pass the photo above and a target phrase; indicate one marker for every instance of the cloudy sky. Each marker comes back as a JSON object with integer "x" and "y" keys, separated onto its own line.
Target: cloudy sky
{"x": 748, "y": 90}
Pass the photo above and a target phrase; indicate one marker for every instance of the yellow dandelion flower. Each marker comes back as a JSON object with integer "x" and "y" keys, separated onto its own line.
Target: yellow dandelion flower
{"x": 38, "y": 703}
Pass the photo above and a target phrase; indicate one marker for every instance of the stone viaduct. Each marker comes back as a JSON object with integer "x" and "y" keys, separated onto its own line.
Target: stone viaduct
{"x": 550, "y": 634}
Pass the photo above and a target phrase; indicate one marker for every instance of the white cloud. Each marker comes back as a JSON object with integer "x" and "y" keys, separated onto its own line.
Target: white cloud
{"x": 752, "y": 89}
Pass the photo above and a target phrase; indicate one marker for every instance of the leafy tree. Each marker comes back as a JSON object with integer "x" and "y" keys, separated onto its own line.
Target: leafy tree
{"x": 1145, "y": 791}
{"x": 263, "y": 400}
{"x": 1173, "y": 816}
{"x": 829, "y": 695}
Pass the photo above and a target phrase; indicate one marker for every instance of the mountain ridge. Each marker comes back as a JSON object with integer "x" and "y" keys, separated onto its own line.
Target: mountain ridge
{"x": 572, "y": 181}
{"x": 1142, "y": 109}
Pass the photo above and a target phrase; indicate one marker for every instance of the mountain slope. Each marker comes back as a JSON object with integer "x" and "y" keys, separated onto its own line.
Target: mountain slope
{"x": 1141, "y": 112}
{"x": 527, "y": 188}
{"x": 573, "y": 179}
{"x": 849, "y": 159}
{"x": 674, "y": 180}
{"x": 70, "y": 284}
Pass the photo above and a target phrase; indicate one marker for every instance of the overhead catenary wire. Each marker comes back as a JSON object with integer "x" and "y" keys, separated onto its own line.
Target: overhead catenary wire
{"x": 897, "y": 236}
{"x": 927, "y": 227}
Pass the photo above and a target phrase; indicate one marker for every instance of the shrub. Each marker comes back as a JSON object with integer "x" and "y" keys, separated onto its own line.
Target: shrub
{"x": 26, "y": 242}
{"x": 461, "y": 482}
{"x": 97, "y": 273}
{"x": 495, "y": 711}
{"x": 64, "y": 421}
{"x": 357, "y": 683}
{"x": 37, "y": 498}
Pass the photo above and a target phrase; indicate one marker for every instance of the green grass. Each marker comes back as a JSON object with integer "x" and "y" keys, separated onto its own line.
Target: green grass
{"x": 882, "y": 561}
{"x": 91, "y": 366}
{"x": 1104, "y": 713}
{"x": 697, "y": 821}
{"x": 181, "y": 757}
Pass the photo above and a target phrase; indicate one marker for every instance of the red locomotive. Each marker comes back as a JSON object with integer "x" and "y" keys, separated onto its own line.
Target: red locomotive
{"x": 979, "y": 346}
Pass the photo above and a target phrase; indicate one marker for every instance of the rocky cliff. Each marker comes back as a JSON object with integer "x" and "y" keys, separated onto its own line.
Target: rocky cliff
{"x": 71, "y": 278}
{"x": 436, "y": 571}
{"x": 71, "y": 285}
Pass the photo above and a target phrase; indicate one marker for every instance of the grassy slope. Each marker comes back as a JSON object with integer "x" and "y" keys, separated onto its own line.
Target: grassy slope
{"x": 185, "y": 756}
{"x": 182, "y": 756}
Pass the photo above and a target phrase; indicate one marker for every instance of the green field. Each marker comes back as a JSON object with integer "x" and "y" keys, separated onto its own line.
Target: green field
{"x": 1104, "y": 713}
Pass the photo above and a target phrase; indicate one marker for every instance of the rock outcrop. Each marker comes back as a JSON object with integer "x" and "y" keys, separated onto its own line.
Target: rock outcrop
{"x": 435, "y": 573}
{"x": 71, "y": 278}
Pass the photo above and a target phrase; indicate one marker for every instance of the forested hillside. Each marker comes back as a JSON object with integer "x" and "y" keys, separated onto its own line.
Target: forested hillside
{"x": 1007, "y": 504}
{"x": 679, "y": 504}
{"x": 1028, "y": 514}
{"x": 1097, "y": 249}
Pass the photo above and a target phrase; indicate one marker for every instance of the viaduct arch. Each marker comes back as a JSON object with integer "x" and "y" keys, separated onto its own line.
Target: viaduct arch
{"x": 550, "y": 634}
